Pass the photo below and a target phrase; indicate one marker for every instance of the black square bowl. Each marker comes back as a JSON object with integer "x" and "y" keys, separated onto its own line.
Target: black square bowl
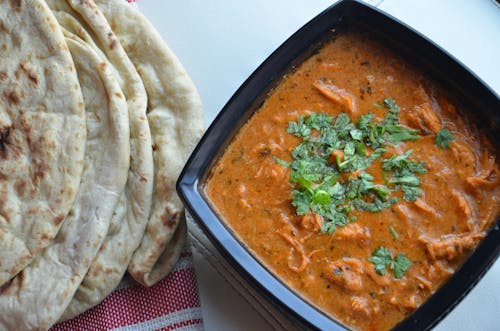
{"x": 430, "y": 58}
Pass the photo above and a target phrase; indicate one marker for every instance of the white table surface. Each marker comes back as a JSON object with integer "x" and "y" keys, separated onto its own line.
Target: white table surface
{"x": 221, "y": 42}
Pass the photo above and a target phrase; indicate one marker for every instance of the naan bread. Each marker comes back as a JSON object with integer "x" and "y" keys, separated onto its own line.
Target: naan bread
{"x": 42, "y": 132}
{"x": 37, "y": 297}
{"x": 175, "y": 117}
{"x": 131, "y": 214}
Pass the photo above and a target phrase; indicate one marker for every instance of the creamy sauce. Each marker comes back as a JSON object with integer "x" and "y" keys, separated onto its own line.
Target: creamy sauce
{"x": 437, "y": 232}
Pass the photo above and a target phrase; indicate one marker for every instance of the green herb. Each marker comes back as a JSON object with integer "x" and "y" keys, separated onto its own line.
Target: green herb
{"x": 319, "y": 186}
{"x": 444, "y": 138}
{"x": 393, "y": 116}
{"x": 390, "y": 130}
{"x": 299, "y": 128}
{"x": 393, "y": 231}
{"x": 404, "y": 174}
{"x": 400, "y": 265}
{"x": 382, "y": 258}
{"x": 319, "y": 121}
{"x": 401, "y": 164}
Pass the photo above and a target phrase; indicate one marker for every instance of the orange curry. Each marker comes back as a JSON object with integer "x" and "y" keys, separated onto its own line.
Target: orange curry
{"x": 389, "y": 246}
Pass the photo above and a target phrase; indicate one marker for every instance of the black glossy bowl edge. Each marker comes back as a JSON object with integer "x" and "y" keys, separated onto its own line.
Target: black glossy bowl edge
{"x": 188, "y": 186}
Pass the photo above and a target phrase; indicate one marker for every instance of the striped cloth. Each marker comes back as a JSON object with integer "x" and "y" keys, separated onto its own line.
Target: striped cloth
{"x": 172, "y": 304}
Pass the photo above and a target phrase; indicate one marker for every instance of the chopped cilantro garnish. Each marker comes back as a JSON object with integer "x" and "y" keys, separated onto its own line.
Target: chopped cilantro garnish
{"x": 299, "y": 128}
{"x": 333, "y": 146}
{"x": 444, "y": 138}
{"x": 319, "y": 121}
{"x": 404, "y": 174}
{"x": 382, "y": 258}
{"x": 401, "y": 164}
{"x": 401, "y": 264}
{"x": 390, "y": 130}
{"x": 393, "y": 115}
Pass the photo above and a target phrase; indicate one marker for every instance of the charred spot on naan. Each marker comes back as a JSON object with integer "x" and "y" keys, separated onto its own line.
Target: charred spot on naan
{"x": 112, "y": 40}
{"x": 29, "y": 71}
{"x": 5, "y": 141}
{"x": 13, "y": 97}
{"x": 170, "y": 217}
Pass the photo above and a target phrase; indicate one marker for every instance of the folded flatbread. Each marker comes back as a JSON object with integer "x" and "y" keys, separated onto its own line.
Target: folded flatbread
{"x": 42, "y": 132}
{"x": 36, "y": 298}
{"x": 176, "y": 120}
{"x": 132, "y": 212}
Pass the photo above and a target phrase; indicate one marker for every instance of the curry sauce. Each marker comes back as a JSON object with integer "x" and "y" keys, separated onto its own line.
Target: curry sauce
{"x": 435, "y": 231}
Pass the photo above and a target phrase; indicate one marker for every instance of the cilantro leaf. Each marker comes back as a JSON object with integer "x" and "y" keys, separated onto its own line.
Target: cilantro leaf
{"x": 404, "y": 174}
{"x": 342, "y": 122}
{"x": 411, "y": 193}
{"x": 321, "y": 197}
{"x": 382, "y": 258}
{"x": 301, "y": 201}
{"x": 393, "y": 116}
{"x": 318, "y": 121}
{"x": 299, "y": 128}
{"x": 444, "y": 138}
{"x": 375, "y": 206}
{"x": 401, "y": 164}
{"x": 398, "y": 134}
{"x": 409, "y": 180}
{"x": 400, "y": 265}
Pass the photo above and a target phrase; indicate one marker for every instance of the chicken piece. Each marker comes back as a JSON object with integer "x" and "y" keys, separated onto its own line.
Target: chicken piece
{"x": 464, "y": 208}
{"x": 428, "y": 117}
{"x": 423, "y": 115}
{"x": 353, "y": 232}
{"x": 311, "y": 221}
{"x": 424, "y": 207}
{"x": 337, "y": 95}
{"x": 450, "y": 246}
{"x": 481, "y": 183}
{"x": 297, "y": 246}
{"x": 488, "y": 177}
{"x": 462, "y": 204}
{"x": 413, "y": 120}
{"x": 361, "y": 307}
{"x": 464, "y": 156}
{"x": 345, "y": 273}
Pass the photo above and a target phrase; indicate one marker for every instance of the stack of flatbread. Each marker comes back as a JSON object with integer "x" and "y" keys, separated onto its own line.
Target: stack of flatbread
{"x": 97, "y": 118}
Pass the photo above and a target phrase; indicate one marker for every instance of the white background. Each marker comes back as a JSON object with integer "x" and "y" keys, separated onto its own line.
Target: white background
{"x": 221, "y": 42}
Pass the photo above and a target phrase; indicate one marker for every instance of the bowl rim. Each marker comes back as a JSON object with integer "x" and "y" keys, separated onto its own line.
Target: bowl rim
{"x": 243, "y": 104}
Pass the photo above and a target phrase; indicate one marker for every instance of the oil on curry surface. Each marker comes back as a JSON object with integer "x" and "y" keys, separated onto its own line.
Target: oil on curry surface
{"x": 359, "y": 183}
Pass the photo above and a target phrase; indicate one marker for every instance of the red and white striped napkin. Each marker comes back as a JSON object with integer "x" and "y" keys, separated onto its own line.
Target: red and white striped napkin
{"x": 172, "y": 304}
